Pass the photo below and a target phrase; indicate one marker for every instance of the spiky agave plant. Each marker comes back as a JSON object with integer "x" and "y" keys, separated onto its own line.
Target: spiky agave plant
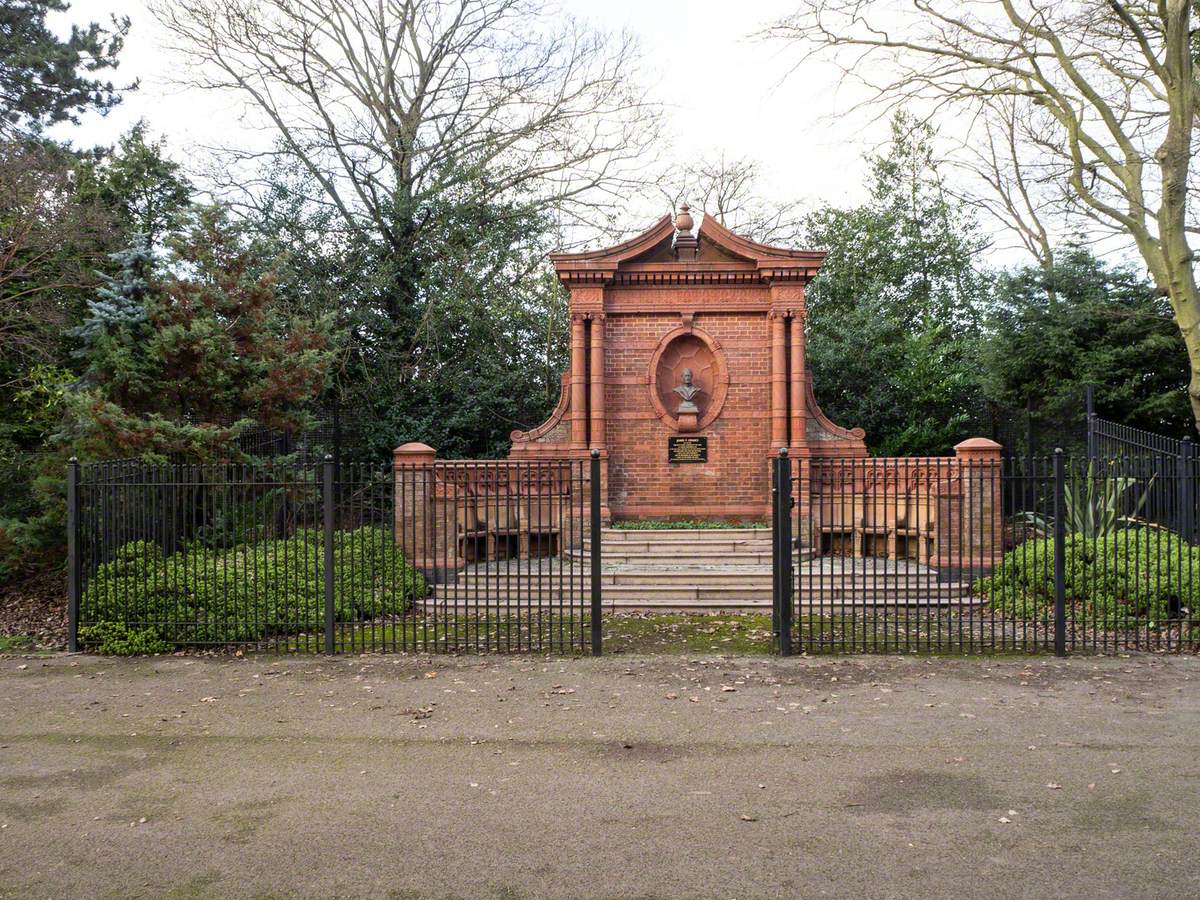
{"x": 1093, "y": 506}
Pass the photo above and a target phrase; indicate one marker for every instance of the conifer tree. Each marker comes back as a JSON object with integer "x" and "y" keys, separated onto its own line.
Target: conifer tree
{"x": 120, "y": 302}
{"x": 44, "y": 80}
{"x": 211, "y": 353}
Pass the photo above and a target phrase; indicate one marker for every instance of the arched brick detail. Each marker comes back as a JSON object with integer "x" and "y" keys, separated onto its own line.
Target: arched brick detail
{"x": 714, "y": 369}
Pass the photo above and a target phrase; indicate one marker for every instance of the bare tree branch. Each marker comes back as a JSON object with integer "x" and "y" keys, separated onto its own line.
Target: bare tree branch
{"x": 1083, "y": 107}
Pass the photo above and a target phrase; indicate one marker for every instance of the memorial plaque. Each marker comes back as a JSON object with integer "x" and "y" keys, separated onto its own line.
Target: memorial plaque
{"x": 687, "y": 449}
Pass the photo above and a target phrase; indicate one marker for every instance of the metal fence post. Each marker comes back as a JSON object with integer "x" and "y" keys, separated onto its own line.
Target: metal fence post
{"x": 785, "y": 552}
{"x": 74, "y": 568}
{"x": 1187, "y": 489}
{"x": 327, "y": 503}
{"x": 1060, "y": 556}
{"x": 1030, "y": 498}
{"x": 1090, "y": 401}
{"x": 597, "y": 600}
{"x": 775, "y": 565}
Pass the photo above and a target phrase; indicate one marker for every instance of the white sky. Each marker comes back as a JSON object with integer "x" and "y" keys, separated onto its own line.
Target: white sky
{"x": 724, "y": 92}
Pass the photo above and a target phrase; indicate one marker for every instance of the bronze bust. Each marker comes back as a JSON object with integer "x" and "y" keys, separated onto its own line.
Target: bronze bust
{"x": 688, "y": 392}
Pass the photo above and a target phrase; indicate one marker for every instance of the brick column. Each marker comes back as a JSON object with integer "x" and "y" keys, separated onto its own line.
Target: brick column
{"x": 598, "y": 381}
{"x": 422, "y": 518}
{"x": 578, "y": 383}
{"x": 980, "y": 470}
{"x": 799, "y": 385}
{"x": 779, "y": 407}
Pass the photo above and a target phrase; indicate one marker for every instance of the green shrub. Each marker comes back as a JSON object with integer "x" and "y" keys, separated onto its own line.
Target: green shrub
{"x": 1131, "y": 576}
{"x": 252, "y": 591}
{"x": 115, "y": 639}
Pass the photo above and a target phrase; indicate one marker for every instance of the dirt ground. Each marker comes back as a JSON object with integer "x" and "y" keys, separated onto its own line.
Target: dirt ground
{"x": 614, "y": 777}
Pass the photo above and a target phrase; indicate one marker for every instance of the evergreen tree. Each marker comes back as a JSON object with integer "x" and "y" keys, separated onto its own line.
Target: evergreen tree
{"x": 214, "y": 353}
{"x": 120, "y": 302}
{"x": 145, "y": 191}
{"x": 44, "y": 80}
{"x": 893, "y": 316}
{"x": 1085, "y": 322}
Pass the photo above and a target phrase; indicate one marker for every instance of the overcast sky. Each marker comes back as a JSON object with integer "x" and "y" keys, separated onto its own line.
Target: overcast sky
{"x": 724, "y": 92}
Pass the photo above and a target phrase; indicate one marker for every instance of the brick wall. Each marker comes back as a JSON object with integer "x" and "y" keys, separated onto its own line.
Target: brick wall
{"x": 735, "y": 481}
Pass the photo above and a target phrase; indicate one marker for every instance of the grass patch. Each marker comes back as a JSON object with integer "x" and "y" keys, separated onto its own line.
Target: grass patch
{"x": 529, "y": 633}
{"x": 16, "y": 643}
{"x": 741, "y": 634}
{"x": 663, "y": 633}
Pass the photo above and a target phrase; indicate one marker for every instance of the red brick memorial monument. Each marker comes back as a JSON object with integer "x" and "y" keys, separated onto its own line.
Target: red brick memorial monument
{"x": 687, "y": 372}
{"x": 688, "y": 375}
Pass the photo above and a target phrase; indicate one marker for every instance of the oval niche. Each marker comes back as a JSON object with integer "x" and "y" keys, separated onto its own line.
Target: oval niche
{"x": 688, "y": 348}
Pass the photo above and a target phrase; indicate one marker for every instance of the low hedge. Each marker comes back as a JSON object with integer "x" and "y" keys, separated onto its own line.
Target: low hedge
{"x": 1141, "y": 576}
{"x": 249, "y": 592}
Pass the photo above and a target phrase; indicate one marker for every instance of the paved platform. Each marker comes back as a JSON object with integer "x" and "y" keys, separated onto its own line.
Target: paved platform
{"x": 697, "y": 570}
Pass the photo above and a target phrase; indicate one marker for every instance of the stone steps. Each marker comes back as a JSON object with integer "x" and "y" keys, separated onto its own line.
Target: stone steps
{"x": 702, "y": 569}
{"x": 750, "y": 577}
{"x": 661, "y": 557}
{"x": 683, "y": 535}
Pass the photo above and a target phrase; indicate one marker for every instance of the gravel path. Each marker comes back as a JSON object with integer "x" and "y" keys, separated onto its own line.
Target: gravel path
{"x": 613, "y": 777}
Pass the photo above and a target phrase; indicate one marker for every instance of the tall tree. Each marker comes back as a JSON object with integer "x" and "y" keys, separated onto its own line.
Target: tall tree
{"x": 146, "y": 191}
{"x": 44, "y": 80}
{"x": 1098, "y": 98}
{"x": 893, "y": 316}
{"x": 50, "y": 246}
{"x": 403, "y": 113}
{"x": 1051, "y": 333}
{"x": 211, "y": 352}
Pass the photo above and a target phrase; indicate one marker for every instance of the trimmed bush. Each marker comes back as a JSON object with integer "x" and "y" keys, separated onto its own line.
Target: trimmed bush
{"x": 252, "y": 591}
{"x": 1141, "y": 576}
{"x": 115, "y": 639}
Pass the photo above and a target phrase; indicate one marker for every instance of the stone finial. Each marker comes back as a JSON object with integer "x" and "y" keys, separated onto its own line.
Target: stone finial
{"x": 684, "y": 220}
{"x": 686, "y": 244}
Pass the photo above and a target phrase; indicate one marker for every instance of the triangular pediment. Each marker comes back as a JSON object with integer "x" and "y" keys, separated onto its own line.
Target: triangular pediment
{"x": 662, "y": 248}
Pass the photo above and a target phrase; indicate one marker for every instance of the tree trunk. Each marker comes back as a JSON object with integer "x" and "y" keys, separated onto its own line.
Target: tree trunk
{"x": 1175, "y": 273}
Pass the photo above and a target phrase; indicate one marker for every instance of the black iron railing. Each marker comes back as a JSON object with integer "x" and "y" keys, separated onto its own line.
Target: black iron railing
{"x": 957, "y": 555}
{"x": 443, "y": 556}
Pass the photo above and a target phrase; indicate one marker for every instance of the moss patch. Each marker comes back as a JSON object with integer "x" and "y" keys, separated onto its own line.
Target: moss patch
{"x": 735, "y": 634}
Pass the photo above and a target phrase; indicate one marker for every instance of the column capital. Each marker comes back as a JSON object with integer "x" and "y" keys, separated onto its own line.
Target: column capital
{"x": 414, "y": 453}
{"x": 978, "y": 448}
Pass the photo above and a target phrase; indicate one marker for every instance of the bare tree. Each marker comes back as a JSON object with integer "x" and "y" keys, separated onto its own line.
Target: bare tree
{"x": 50, "y": 246}
{"x": 730, "y": 191}
{"x": 1094, "y": 99}
{"x": 400, "y": 109}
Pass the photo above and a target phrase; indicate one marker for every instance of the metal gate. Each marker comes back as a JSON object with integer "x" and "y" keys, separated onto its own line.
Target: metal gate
{"x": 953, "y": 554}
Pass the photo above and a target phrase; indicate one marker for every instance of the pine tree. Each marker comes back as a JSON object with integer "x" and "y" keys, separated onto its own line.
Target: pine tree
{"x": 178, "y": 363}
{"x": 44, "y": 80}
